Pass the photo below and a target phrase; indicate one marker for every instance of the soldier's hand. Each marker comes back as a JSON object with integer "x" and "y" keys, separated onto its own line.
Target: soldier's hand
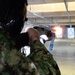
{"x": 33, "y": 35}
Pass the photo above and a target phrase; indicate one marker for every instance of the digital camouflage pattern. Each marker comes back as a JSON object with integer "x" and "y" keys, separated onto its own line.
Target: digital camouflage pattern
{"x": 12, "y": 62}
{"x": 43, "y": 60}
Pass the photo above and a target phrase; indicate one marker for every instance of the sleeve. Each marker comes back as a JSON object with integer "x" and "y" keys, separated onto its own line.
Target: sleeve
{"x": 43, "y": 60}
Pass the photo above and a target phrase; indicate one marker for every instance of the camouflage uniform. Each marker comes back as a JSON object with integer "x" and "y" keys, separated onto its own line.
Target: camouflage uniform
{"x": 12, "y": 62}
{"x": 43, "y": 60}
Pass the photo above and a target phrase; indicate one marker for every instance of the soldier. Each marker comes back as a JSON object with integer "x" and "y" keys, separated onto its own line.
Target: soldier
{"x": 12, "y": 62}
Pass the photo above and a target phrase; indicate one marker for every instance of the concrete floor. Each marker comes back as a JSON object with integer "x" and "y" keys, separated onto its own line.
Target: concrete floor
{"x": 64, "y": 54}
